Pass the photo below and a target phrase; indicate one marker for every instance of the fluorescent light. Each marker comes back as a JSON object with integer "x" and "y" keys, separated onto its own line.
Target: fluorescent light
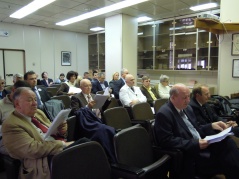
{"x": 140, "y": 33}
{"x": 143, "y": 18}
{"x": 30, "y": 8}
{"x": 203, "y": 6}
{"x": 97, "y": 29}
{"x": 101, "y": 11}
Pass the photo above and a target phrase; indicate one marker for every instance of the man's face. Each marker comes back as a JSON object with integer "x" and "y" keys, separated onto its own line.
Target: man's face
{"x": 62, "y": 77}
{"x": 86, "y": 75}
{"x": 130, "y": 81}
{"x": 101, "y": 79}
{"x": 32, "y": 80}
{"x": 86, "y": 87}
{"x": 205, "y": 95}
{"x": 95, "y": 76}
{"x": 146, "y": 83}
{"x": 125, "y": 73}
{"x": 26, "y": 104}
{"x": 182, "y": 99}
{"x": 2, "y": 84}
{"x": 18, "y": 79}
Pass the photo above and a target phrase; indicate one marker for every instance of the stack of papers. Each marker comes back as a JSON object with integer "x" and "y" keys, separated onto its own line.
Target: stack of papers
{"x": 220, "y": 136}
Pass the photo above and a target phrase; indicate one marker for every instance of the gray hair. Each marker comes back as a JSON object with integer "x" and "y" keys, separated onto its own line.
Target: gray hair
{"x": 19, "y": 91}
{"x": 101, "y": 74}
{"x": 123, "y": 70}
{"x": 163, "y": 78}
{"x": 17, "y": 75}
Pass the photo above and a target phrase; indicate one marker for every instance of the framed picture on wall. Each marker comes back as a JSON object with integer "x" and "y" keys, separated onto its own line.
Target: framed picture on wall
{"x": 235, "y": 68}
{"x": 235, "y": 44}
{"x": 65, "y": 58}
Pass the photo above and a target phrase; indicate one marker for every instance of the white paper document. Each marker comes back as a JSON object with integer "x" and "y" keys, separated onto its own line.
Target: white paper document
{"x": 60, "y": 118}
{"x": 74, "y": 90}
{"x": 220, "y": 136}
{"x": 100, "y": 100}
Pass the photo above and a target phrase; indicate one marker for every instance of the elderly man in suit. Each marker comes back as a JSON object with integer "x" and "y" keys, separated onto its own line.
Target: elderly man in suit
{"x": 23, "y": 136}
{"x": 129, "y": 94}
{"x": 84, "y": 98}
{"x": 41, "y": 93}
{"x": 176, "y": 128}
{"x": 149, "y": 91}
{"x": 99, "y": 84}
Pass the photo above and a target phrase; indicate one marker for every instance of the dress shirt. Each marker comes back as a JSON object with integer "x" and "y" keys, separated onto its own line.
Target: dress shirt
{"x": 151, "y": 93}
{"x": 126, "y": 95}
{"x": 103, "y": 86}
{"x": 39, "y": 102}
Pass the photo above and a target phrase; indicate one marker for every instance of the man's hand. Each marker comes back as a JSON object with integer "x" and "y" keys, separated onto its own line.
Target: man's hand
{"x": 219, "y": 125}
{"x": 91, "y": 104}
{"x": 62, "y": 129}
{"x": 203, "y": 143}
{"x": 134, "y": 102}
{"x": 231, "y": 123}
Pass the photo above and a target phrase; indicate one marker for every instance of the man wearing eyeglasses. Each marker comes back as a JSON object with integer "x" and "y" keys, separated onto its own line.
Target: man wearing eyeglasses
{"x": 3, "y": 91}
{"x": 149, "y": 91}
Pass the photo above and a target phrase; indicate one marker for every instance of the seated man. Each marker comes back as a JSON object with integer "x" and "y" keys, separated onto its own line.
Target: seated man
{"x": 84, "y": 98}
{"x": 148, "y": 91}
{"x": 176, "y": 128}
{"x": 129, "y": 94}
{"x": 99, "y": 84}
{"x": 7, "y": 107}
{"x": 23, "y": 139}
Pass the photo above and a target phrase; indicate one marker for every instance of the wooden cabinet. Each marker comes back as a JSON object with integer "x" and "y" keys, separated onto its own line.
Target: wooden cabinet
{"x": 176, "y": 45}
{"x": 97, "y": 51}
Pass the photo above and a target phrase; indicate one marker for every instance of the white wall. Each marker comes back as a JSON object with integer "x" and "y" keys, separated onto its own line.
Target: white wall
{"x": 226, "y": 83}
{"x": 43, "y": 48}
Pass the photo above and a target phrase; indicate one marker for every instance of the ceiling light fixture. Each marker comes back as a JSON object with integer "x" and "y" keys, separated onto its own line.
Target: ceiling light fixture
{"x": 30, "y": 8}
{"x": 95, "y": 29}
{"x": 203, "y": 6}
{"x": 100, "y": 11}
{"x": 143, "y": 18}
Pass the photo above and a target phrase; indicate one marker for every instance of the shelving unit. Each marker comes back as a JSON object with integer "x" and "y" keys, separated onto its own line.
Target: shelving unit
{"x": 177, "y": 45}
{"x": 97, "y": 51}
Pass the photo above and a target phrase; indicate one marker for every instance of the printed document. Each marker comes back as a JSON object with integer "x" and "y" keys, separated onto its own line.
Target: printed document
{"x": 60, "y": 118}
{"x": 220, "y": 136}
{"x": 100, "y": 100}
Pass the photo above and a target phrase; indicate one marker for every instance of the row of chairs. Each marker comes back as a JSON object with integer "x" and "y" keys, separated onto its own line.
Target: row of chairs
{"x": 134, "y": 153}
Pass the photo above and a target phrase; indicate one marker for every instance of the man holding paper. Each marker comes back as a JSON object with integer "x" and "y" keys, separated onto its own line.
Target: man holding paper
{"x": 176, "y": 128}
{"x": 23, "y": 136}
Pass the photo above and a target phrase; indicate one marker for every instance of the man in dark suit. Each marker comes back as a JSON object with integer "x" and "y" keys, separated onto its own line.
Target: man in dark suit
{"x": 149, "y": 91}
{"x": 99, "y": 84}
{"x": 204, "y": 112}
{"x": 42, "y": 96}
{"x": 120, "y": 83}
{"x": 176, "y": 128}
{"x": 84, "y": 98}
{"x": 45, "y": 80}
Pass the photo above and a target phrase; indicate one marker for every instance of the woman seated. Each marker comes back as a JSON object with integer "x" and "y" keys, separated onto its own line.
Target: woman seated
{"x": 115, "y": 77}
{"x": 163, "y": 88}
{"x": 65, "y": 86}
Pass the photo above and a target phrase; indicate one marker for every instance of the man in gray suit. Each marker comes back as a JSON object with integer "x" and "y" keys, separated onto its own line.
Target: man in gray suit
{"x": 84, "y": 98}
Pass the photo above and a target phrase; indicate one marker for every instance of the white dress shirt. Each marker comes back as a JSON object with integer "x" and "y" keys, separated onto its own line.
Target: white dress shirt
{"x": 126, "y": 95}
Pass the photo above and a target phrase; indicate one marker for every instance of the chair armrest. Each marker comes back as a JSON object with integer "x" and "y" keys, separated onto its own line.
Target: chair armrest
{"x": 126, "y": 168}
{"x": 157, "y": 164}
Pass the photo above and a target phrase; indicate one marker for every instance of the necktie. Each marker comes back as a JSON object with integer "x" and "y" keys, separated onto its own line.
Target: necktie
{"x": 88, "y": 98}
{"x": 132, "y": 89}
{"x": 191, "y": 128}
{"x": 39, "y": 125}
{"x": 38, "y": 99}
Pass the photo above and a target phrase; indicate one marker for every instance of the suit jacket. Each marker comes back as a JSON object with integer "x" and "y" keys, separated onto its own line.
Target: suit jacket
{"x": 25, "y": 143}
{"x": 117, "y": 86}
{"x": 4, "y": 94}
{"x": 148, "y": 96}
{"x": 43, "y": 82}
{"x": 78, "y": 101}
{"x": 202, "y": 117}
{"x": 126, "y": 95}
{"x": 97, "y": 87}
{"x": 44, "y": 95}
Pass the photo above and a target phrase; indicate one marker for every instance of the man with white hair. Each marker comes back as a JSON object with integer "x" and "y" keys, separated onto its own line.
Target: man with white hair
{"x": 129, "y": 94}
{"x": 16, "y": 77}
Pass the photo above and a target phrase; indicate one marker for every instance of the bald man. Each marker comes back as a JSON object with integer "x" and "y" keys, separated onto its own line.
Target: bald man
{"x": 129, "y": 94}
